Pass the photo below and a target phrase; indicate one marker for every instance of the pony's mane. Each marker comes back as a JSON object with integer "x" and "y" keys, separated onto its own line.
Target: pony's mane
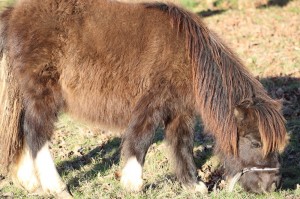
{"x": 223, "y": 83}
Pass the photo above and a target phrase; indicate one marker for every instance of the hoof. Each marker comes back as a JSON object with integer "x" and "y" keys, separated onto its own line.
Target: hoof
{"x": 131, "y": 184}
{"x": 31, "y": 185}
{"x": 199, "y": 187}
{"x": 27, "y": 181}
{"x": 23, "y": 172}
{"x": 38, "y": 192}
{"x": 131, "y": 177}
{"x": 65, "y": 194}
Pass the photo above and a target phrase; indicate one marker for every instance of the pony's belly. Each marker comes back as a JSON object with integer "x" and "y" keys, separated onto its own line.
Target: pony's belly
{"x": 99, "y": 107}
{"x": 101, "y": 94}
{"x": 109, "y": 113}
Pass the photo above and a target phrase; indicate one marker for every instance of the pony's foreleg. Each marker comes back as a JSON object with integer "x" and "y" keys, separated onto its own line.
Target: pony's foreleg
{"x": 136, "y": 141}
{"x": 180, "y": 137}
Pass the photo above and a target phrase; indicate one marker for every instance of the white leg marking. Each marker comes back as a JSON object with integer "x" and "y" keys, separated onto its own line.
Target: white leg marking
{"x": 199, "y": 187}
{"x": 25, "y": 172}
{"x": 46, "y": 170}
{"x": 131, "y": 177}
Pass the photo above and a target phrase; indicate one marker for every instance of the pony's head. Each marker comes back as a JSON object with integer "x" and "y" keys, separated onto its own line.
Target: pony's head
{"x": 256, "y": 164}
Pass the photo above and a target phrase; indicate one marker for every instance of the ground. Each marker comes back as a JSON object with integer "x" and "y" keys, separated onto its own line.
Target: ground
{"x": 267, "y": 39}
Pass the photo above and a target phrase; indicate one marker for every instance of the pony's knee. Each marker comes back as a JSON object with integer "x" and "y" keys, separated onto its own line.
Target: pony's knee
{"x": 131, "y": 177}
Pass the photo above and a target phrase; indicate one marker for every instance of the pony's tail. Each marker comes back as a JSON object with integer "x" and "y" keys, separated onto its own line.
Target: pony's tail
{"x": 11, "y": 138}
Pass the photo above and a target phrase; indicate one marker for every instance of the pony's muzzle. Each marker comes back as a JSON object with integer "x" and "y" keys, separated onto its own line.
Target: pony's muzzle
{"x": 269, "y": 183}
{"x": 257, "y": 180}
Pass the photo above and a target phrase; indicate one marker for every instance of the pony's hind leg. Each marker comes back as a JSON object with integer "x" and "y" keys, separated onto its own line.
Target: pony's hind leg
{"x": 23, "y": 171}
{"x": 136, "y": 141}
{"x": 50, "y": 180}
{"x": 31, "y": 173}
{"x": 42, "y": 101}
{"x": 180, "y": 137}
{"x": 39, "y": 118}
{"x": 38, "y": 127}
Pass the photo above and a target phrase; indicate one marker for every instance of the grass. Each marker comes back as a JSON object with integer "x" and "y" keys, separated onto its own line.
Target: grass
{"x": 268, "y": 41}
{"x": 4, "y": 3}
{"x": 189, "y": 4}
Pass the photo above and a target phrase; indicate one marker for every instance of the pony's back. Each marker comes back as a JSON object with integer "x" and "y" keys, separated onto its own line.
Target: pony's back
{"x": 120, "y": 58}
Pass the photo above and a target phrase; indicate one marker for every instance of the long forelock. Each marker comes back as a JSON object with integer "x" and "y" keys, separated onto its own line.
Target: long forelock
{"x": 271, "y": 125}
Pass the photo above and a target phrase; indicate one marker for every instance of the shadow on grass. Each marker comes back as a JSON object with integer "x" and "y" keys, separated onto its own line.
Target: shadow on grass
{"x": 270, "y": 3}
{"x": 103, "y": 157}
{"x": 280, "y": 3}
{"x": 208, "y": 13}
{"x": 287, "y": 89}
{"x": 106, "y": 155}
{"x": 216, "y": 11}
{"x": 291, "y": 156}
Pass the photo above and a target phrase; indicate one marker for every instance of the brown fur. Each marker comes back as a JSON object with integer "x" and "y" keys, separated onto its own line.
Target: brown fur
{"x": 223, "y": 83}
{"x": 11, "y": 105}
{"x": 251, "y": 155}
{"x": 128, "y": 66}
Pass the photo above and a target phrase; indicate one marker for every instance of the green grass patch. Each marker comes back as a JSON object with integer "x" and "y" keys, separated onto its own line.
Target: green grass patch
{"x": 189, "y": 4}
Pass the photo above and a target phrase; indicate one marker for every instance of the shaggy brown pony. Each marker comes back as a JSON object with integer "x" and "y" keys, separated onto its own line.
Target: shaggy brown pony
{"x": 129, "y": 67}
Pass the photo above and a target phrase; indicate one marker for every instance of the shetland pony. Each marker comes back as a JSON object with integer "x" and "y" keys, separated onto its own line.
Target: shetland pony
{"x": 130, "y": 68}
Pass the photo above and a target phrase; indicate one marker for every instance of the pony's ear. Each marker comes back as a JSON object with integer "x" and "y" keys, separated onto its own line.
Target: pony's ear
{"x": 239, "y": 114}
{"x": 241, "y": 110}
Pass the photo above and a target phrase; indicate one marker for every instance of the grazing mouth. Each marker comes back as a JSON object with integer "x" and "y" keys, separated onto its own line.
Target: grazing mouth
{"x": 237, "y": 176}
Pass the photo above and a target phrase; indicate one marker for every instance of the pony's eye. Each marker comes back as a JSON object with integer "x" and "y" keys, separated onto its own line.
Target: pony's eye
{"x": 255, "y": 144}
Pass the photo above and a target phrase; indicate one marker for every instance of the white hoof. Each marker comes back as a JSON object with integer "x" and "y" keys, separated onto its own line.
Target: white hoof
{"x": 199, "y": 187}
{"x": 64, "y": 195}
{"x": 23, "y": 172}
{"x": 27, "y": 181}
{"x": 131, "y": 177}
{"x": 47, "y": 173}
